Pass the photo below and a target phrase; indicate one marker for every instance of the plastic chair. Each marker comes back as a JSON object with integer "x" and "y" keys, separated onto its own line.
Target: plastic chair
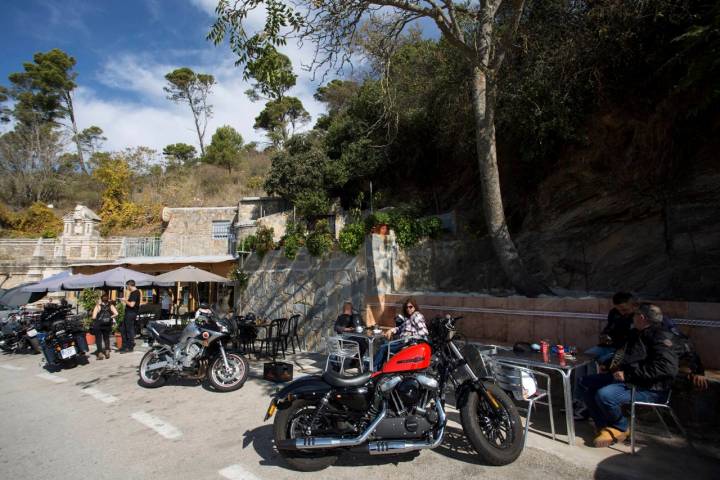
{"x": 341, "y": 349}
{"x": 510, "y": 378}
{"x": 292, "y": 332}
{"x": 656, "y": 407}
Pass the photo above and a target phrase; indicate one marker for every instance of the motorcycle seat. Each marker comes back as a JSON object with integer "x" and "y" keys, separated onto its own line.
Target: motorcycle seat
{"x": 336, "y": 380}
{"x": 169, "y": 338}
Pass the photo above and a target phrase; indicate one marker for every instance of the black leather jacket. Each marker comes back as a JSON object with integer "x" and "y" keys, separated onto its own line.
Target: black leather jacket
{"x": 651, "y": 358}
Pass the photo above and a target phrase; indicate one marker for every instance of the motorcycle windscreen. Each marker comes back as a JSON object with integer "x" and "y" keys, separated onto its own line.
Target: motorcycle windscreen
{"x": 414, "y": 357}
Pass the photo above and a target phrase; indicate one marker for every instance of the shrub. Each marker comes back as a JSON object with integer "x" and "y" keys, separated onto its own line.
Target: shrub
{"x": 351, "y": 238}
{"x": 247, "y": 244}
{"x": 241, "y": 278}
{"x": 310, "y": 204}
{"x": 264, "y": 240}
{"x": 320, "y": 241}
{"x": 88, "y": 299}
{"x": 294, "y": 239}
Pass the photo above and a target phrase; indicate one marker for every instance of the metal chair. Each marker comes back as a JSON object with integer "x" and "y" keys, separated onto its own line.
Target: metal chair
{"x": 510, "y": 378}
{"x": 656, "y": 407}
{"x": 339, "y": 350}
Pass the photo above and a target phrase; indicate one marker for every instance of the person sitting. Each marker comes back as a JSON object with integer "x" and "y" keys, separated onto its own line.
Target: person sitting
{"x": 615, "y": 333}
{"x": 648, "y": 362}
{"x": 412, "y": 325}
{"x": 347, "y": 322}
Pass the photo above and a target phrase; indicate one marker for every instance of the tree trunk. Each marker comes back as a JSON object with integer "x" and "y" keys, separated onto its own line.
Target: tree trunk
{"x": 71, "y": 113}
{"x": 484, "y": 96}
{"x": 196, "y": 118}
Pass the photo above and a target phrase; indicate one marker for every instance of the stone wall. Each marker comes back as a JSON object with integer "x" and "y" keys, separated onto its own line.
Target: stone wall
{"x": 315, "y": 288}
{"x": 189, "y": 231}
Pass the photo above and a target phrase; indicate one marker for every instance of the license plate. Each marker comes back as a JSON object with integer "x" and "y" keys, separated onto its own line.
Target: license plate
{"x": 67, "y": 352}
{"x": 31, "y": 333}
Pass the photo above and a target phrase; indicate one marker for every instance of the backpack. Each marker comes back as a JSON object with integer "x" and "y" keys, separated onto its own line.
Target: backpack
{"x": 104, "y": 316}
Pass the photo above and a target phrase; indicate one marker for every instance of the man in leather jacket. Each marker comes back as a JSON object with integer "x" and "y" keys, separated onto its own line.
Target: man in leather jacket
{"x": 648, "y": 362}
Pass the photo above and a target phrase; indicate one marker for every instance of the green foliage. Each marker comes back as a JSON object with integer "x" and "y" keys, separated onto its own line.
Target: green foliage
{"x": 408, "y": 228}
{"x": 186, "y": 86}
{"x": 88, "y": 299}
{"x": 272, "y": 72}
{"x": 240, "y": 277}
{"x": 312, "y": 203}
{"x": 36, "y": 221}
{"x": 120, "y": 307}
{"x": 294, "y": 239}
{"x": 320, "y": 241}
{"x": 351, "y": 238}
{"x": 226, "y": 149}
{"x": 264, "y": 240}
{"x": 247, "y": 244}
{"x": 280, "y": 117}
{"x": 180, "y": 154}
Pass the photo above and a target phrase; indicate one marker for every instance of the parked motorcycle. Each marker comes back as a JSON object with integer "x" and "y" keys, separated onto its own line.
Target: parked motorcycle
{"x": 400, "y": 408}
{"x": 19, "y": 334}
{"x": 198, "y": 352}
{"x": 64, "y": 343}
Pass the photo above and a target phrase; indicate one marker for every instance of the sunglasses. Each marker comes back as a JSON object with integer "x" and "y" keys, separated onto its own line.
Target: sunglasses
{"x": 408, "y": 307}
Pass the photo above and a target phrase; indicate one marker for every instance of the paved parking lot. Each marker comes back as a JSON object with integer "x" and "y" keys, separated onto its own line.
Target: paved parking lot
{"x": 95, "y": 421}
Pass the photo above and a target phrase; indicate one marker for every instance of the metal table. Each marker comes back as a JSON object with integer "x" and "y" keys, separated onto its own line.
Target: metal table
{"x": 370, "y": 338}
{"x": 553, "y": 363}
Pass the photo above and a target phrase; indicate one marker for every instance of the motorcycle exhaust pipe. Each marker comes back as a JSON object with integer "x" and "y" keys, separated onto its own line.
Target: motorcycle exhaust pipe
{"x": 389, "y": 447}
{"x": 308, "y": 443}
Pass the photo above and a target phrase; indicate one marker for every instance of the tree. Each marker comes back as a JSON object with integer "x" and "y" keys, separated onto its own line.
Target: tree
{"x": 481, "y": 32}
{"x": 90, "y": 140}
{"x": 280, "y": 117}
{"x": 186, "y": 86}
{"x": 273, "y": 75}
{"x": 180, "y": 154}
{"x": 225, "y": 149}
{"x": 43, "y": 93}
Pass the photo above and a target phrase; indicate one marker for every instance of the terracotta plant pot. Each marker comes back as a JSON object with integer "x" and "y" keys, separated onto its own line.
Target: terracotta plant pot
{"x": 90, "y": 338}
{"x": 118, "y": 341}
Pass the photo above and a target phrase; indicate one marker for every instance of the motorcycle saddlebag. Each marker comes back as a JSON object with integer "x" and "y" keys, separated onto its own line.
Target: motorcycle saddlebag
{"x": 278, "y": 371}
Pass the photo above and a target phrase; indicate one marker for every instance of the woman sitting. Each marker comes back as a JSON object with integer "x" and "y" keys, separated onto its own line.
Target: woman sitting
{"x": 412, "y": 325}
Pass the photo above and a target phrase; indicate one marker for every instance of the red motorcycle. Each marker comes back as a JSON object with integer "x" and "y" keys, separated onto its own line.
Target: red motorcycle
{"x": 400, "y": 408}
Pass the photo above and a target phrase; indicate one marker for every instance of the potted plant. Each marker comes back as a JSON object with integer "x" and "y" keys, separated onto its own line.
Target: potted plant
{"x": 87, "y": 322}
{"x": 116, "y": 326}
{"x": 88, "y": 300}
{"x": 379, "y": 223}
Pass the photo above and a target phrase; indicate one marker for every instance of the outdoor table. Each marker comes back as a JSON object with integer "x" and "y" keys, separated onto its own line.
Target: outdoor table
{"x": 371, "y": 338}
{"x": 551, "y": 362}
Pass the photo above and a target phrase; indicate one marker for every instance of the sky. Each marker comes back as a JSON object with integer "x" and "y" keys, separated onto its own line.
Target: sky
{"x": 123, "y": 50}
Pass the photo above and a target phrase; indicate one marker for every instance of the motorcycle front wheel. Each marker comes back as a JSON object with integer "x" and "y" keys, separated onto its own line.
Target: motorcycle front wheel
{"x": 226, "y": 380}
{"x": 153, "y": 378}
{"x": 291, "y": 423}
{"x": 495, "y": 432}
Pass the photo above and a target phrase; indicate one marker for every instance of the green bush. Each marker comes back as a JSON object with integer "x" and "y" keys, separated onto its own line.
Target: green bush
{"x": 264, "y": 240}
{"x": 294, "y": 238}
{"x": 247, "y": 244}
{"x": 408, "y": 229}
{"x": 320, "y": 241}
{"x": 88, "y": 299}
{"x": 377, "y": 218}
{"x": 240, "y": 277}
{"x": 351, "y": 238}
{"x": 310, "y": 204}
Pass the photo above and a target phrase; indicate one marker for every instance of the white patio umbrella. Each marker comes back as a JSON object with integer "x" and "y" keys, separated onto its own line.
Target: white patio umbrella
{"x": 115, "y": 278}
{"x": 53, "y": 283}
{"x": 191, "y": 274}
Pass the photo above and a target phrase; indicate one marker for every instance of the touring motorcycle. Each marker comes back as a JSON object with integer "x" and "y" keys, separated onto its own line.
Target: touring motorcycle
{"x": 18, "y": 334}
{"x": 400, "y": 408}
{"x": 64, "y": 342}
{"x": 198, "y": 352}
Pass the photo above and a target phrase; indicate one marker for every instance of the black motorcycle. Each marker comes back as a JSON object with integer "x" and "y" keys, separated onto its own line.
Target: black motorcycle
{"x": 19, "y": 334}
{"x": 64, "y": 343}
{"x": 400, "y": 408}
{"x": 202, "y": 350}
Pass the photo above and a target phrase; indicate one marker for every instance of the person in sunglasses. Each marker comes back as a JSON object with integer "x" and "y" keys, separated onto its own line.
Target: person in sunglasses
{"x": 412, "y": 325}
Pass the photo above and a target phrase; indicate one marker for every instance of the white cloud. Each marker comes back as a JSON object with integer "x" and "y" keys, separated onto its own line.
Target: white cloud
{"x": 149, "y": 119}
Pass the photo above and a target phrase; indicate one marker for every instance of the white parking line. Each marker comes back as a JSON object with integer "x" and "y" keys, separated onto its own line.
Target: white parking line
{"x": 161, "y": 427}
{"x": 237, "y": 472}
{"x": 51, "y": 377}
{"x": 98, "y": 395}
{"x": 12, "y": 367}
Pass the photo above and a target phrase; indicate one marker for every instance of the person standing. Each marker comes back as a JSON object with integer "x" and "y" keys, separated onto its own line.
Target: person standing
{"x": 103, "y": 316}
{"x": 132, "y": 307}
{"x": 165, "y": 302}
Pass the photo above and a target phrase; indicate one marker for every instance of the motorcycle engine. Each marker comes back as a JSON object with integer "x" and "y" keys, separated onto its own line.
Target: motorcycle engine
{"x": 409, "y": 391}
{"x": 191, "y": 352}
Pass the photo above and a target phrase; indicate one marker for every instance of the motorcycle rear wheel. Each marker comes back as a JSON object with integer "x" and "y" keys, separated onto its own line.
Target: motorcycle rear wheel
{"x": 153, "y": 379}
{"x": 286, "y": 422}
{"x": 496, "y": 435}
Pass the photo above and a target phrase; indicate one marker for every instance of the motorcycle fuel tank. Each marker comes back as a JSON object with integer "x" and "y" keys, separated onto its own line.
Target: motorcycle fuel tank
{"x": 414, "y": 357}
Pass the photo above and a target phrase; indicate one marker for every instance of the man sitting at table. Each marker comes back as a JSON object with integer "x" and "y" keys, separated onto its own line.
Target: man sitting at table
{"x": 347, "y": 322}
{"x": 648, "y": 362}
{"x": 615, "y": 333}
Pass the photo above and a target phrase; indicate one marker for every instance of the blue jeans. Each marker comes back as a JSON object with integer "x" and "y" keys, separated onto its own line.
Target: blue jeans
{"x": 605, "y": 396}
{"x": 382, "y": 354}
{"x": 601, "y": 353}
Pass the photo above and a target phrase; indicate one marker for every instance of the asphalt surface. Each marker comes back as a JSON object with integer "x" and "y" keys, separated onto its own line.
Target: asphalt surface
{"x": 95, "y": 421}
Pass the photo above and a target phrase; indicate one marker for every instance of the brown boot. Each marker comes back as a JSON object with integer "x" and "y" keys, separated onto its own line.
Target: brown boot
{"x": 99, "y": 355}
{"x": 107, "y": 353}
{"x": 609, "y": 436}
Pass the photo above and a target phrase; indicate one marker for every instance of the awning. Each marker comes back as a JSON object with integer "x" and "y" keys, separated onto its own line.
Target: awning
{"x": 117, "y": 277}
{"x": 53, "y": 283}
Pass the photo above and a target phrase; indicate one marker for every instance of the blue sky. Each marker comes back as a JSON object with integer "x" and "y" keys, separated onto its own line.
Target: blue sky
{"x": 123, "y": 49}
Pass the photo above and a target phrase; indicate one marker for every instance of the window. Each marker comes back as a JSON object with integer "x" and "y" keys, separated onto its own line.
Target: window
{"x": 220, "y": 229}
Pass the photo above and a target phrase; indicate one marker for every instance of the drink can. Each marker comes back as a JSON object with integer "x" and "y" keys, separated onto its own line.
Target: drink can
{"x": 544, "y": 346}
